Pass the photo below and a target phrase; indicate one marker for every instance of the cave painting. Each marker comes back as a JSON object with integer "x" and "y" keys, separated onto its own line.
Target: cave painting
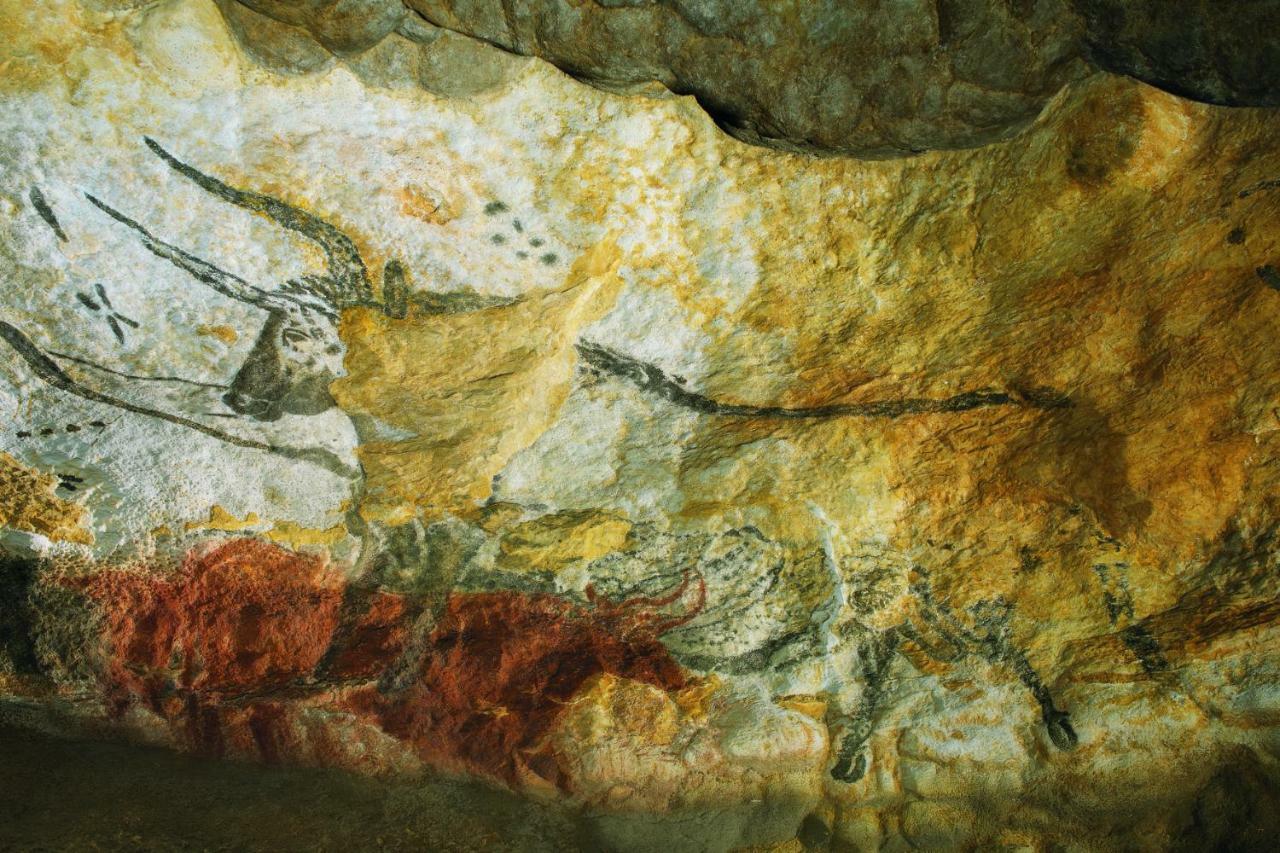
{"x": 235, "y": 650}
{"x": 396, "y": 662}
{"x": 298, "y": 354}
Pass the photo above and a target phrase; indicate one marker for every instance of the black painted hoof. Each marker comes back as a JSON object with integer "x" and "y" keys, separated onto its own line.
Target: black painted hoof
{"x": 850, "y": 768}
{"x": 1060, "y": 731}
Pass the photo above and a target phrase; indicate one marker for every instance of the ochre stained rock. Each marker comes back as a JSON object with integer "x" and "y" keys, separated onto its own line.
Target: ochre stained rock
{"x": 28, "y": 503}
{"x": 468, "y": 389}
{"x": 501, "y": 667}
{"x": 240, "y": 646}
{"x": 551, "y": 541}
{"x": 244, "y": 616}
{"x": 732, "y": 496}
{"x": 220, "y": 519}
{"x": 689, "y": 754}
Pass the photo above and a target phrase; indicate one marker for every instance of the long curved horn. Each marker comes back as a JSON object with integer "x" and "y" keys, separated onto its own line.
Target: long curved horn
{"x": 228, "y": 284}
{"x": 344, "y": 261}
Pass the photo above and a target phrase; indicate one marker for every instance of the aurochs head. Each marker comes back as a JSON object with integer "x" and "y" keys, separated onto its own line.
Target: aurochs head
{"x": 297, "y": 354}
{"x": 295, "y": 358}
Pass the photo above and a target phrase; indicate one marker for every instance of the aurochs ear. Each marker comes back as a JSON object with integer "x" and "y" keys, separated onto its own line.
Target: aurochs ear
{"x": 395, "y": 291}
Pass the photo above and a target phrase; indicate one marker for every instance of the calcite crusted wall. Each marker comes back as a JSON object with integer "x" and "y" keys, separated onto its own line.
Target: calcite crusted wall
{"x": 376, "y": 398}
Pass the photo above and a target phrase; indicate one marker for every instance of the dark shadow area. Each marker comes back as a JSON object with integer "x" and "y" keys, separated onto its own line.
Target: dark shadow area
{"x": 64, "y": 795}
{"x": 17, "y": 649}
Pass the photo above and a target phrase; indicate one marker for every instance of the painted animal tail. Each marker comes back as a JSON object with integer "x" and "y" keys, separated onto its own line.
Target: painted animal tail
{"x": 647, "y": 613}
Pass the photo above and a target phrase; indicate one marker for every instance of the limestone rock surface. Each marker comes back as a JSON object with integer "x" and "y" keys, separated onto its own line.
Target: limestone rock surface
{"x": 1223, "y": 53}
{"x": 379, "y": 401}
{"x": 834, "y": 76}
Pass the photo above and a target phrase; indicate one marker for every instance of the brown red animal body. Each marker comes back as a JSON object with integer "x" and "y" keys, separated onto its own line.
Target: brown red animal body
{"x": 504, "y": 664}
{"x": 227, "y": 651}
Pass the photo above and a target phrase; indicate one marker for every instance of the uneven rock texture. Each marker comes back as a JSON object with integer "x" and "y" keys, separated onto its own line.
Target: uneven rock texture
{"x": 830, "y": 75}
{"x": 386, "y": 403}
{"x": 872, "y": 79}
{"x": 152, "y": 800}
{"x": 1222, "y": 53}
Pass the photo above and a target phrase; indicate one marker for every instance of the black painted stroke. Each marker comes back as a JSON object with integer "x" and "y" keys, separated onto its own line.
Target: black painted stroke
{"x": 51, "y": 373}
{"x": 344, "y": 261}
{"x": 1146, "y": 648}
{"x": 875, "y": 656}
{"x": 93, "y": 364}
{"x": 1270, "y": 276}
{"x": 990, "y": 639}
{"x": 651, "y": 379}
{"x": 228, "y": 284}
{"x": 42, "y": 207}
{"x": 1270, "y": 184}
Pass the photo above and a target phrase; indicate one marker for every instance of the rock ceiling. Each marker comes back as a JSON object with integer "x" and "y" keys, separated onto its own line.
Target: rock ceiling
{"x": 831, "y": 76}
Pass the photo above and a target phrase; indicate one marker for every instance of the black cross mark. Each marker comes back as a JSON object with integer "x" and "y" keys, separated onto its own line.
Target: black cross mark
{"x": 114, "y": 317}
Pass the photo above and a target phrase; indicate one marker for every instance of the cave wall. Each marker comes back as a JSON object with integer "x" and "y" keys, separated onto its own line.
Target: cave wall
{"x": 439, "y": 388}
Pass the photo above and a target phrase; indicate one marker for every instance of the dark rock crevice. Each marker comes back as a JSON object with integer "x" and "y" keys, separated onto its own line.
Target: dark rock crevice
{"x": 826, "y": 77}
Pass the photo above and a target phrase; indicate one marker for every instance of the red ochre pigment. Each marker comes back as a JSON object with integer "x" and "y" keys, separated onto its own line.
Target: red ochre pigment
{"x": 228, "y": 650}
{"x": 502, "y": 667}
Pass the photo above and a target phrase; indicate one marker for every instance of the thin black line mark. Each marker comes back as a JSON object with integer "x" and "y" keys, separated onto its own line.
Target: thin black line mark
{"x": 42, "y": 207}
{"x": 87, "y": 363}
{"x": 1258, "y": 187}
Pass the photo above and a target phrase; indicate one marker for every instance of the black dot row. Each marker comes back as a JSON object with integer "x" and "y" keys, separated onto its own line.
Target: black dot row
{"x": 26, "y": 433}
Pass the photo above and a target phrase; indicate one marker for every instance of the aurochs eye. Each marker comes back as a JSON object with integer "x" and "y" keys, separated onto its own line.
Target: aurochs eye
{"x": 293, "y": 336}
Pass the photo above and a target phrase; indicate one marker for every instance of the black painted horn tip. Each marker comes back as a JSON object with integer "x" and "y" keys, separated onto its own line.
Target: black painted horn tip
{"x": 159, "y": 150}
{"x": 105, "y": 208}
{"x": 849, "y": 769}
{"x": 1061, "y": 732}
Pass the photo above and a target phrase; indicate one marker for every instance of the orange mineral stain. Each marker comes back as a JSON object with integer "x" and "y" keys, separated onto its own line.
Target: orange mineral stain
{"x": 244, "y": 617}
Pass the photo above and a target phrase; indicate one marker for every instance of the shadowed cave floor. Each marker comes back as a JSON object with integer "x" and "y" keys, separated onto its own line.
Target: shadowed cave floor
{"x": 70, "y": 795}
